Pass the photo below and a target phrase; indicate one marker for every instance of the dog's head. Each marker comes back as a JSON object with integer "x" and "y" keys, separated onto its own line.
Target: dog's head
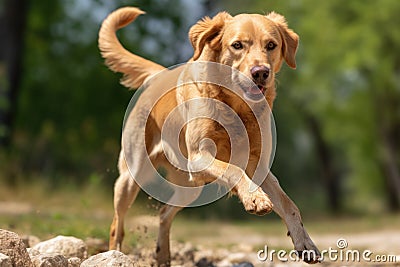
{"x": 254, "y": 44}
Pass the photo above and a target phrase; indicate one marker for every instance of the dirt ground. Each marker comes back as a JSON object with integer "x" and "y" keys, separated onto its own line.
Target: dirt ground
{"x": 232, "y": 245}
{"x": 211, "y": 243}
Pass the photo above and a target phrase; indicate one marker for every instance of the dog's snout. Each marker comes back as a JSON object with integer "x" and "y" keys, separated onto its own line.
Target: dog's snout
{"x": 260, "y": 73}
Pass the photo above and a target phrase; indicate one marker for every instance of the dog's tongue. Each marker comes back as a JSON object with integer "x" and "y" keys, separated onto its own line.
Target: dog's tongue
{"x": 256, "y": 90}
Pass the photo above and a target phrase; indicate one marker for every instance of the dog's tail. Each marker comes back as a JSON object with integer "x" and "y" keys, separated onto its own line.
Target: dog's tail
{"x": 135, "y": 69}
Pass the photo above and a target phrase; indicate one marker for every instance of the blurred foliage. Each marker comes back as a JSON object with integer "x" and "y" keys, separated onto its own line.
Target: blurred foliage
{"x": 348, "y": 80}
{"x": 70, "y": 106}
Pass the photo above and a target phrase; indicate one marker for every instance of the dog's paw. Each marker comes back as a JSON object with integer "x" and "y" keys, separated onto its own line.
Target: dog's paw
{"x": 306, "y": 249}
{"x": 257, "y": 202}
{"x": 310, "y": 256}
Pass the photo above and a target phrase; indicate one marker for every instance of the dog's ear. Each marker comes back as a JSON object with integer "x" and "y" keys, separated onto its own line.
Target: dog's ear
{"x": 208, "y": 31}
{"x": 289, "y": 37}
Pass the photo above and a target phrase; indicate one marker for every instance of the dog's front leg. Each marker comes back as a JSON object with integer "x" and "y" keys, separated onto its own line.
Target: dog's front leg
{"x": 290, "y": 214}
{"x": 204, "y": 167}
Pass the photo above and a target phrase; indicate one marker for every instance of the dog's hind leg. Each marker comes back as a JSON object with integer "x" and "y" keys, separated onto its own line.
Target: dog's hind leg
{"x": 167, "y": 215}
{"x": 125, "y": 192}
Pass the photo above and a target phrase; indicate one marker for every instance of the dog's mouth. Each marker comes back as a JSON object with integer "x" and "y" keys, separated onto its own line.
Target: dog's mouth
{"x": 254, "y": 93}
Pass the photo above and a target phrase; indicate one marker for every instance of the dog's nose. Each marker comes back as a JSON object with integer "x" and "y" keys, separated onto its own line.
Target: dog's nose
{"x": 259, "y": 73}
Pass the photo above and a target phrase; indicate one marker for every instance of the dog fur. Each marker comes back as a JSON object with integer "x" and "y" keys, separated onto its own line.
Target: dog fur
{"x": 254, "y": 44}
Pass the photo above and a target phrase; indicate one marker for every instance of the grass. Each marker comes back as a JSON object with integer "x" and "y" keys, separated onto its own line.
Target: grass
{"x": 81, "y": 212}
{"x": 43, "y": 212}
{"x": 55, "y": 223}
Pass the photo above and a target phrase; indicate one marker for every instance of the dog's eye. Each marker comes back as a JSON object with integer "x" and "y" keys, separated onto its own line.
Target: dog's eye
{"x": 271, "y": 46}
{"x": 237, "y": 45}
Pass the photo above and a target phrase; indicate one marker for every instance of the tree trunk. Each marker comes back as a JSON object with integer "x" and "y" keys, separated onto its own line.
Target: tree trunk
{"x": 385, "y": 99}
{"x": 12, "y": 27}
{"x": 392, "y": 196}
{"x": 329, "y": 173}
{"x": 390, "y": 169}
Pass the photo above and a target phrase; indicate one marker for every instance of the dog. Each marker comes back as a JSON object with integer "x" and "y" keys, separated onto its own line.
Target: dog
{"x": 255, "y": 46}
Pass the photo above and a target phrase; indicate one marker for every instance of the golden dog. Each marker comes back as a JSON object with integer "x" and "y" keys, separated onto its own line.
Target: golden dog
{"x": 256, "y": 45}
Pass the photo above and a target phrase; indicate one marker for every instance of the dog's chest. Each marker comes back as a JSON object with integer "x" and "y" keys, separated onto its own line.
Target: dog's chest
{"x": 237, "y": 138}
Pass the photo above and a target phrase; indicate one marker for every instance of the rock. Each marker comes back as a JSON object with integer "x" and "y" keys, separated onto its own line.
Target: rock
{"x": 12, "y": 246}
{"x": 32, "y": 252}
{"x": 204, "y": 262}
{"x": 235, "y": 260}
{"x": 49, "y": 260}
{"x": 182, "y": 253}
{"x": 110, "y": 258}
{"x": 243, "y": 264}
{"x": 67, "y": 246}
{"x": 203, "y": 257}
{"x": 30, "y": 240}
{"x": 74, "y": 262}
{"x": 237, "y": 257}
{"x": 5, "y": 261}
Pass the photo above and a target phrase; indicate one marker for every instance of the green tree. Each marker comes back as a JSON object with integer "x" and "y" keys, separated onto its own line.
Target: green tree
{"x": 346, "y": 92}
{"x": 13, "y": 23}
{"x": 70, "y": 107}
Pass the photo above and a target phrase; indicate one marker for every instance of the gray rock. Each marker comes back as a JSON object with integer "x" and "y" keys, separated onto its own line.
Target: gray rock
{"x": 5, "y": 261}
{"x": 243, "y": 264}
{"x": 12, "y": 246}
{"x": 52, "y": 259}
{"x": 32, "y": 252}
{"x": 67, "y": 246}
{"x": 204, "y": 262}
{"x": 110, "y": 258}
{"x": 74, "y": 262}
{"x": 49, "y": 260}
